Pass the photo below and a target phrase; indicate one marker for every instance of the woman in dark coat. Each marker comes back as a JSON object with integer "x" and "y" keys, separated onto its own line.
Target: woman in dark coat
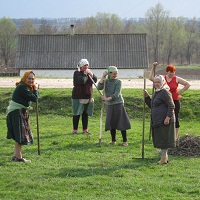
{"x": 82, "y": 101}
{"x": 18, "y": 125}
{"x": 162, "y": 117}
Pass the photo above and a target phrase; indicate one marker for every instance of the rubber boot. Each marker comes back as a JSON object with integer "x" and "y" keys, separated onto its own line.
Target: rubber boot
{"x": 163, "y": 160}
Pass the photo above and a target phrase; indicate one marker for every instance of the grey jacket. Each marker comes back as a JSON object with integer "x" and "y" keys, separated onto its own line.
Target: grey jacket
{"x": 161, "y": 106}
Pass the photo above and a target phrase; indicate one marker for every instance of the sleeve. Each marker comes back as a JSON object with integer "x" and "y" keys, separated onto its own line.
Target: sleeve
{"x": 100, "y": 85}
{"x": 27, "y": 94}
{"x": 94, "y": 78}
{"x": 118, "y": 88}
{"x": 169, "y": 102}
{"x": 80, "y": 78}
{"x": 148, "y": 101}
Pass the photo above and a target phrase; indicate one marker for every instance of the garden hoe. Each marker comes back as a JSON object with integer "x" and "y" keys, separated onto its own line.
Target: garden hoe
{"x": 102, "y": 109}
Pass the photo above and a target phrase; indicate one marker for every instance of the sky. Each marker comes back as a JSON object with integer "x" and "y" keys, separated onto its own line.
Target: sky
{"x": 87, "y": 8}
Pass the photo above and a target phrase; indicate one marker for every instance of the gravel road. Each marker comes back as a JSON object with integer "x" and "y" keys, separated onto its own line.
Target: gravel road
{"x": 68, "y": 83}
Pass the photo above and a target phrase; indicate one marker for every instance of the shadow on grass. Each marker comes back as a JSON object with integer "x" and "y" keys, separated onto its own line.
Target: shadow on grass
{"x": 99, "y": 169}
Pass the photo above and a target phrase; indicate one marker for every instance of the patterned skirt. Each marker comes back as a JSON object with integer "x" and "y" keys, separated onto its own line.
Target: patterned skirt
{"x": 19, "y": 127}
{"x": 117, "y": 118}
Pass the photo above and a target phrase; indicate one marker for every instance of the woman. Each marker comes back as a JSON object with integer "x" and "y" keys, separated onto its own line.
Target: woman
{"x": 173, "y": 82}
{"x": 116, "y": 116}
{"x": 162, "y": 117}
{"x": 18, "y": 125}
{"x": 82, "y": 101}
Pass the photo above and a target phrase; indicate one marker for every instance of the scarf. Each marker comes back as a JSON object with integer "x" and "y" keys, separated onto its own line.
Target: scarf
{"x": 111, "y": 69}
{"x": 81, "y": 63}
{"x": 23, "y": 79}
{"x": 163, "y": 83}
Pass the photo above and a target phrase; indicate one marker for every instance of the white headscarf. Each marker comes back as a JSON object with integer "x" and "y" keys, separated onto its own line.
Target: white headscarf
{"x": 81, "y": 63}
{"x": 163, "y": 83}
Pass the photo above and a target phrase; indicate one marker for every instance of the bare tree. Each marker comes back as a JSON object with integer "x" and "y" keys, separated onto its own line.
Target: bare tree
{"x": 109, "y": 23}
{"x": 7, "y": 39}
{"x": 192, "y": 39}
{"x": 28, "y": 27}
{"x": 156, "y": 24}
{"x": 46, "y": 28}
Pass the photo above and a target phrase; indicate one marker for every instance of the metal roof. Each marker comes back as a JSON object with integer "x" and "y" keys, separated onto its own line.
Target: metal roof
{"x": 128, "y": 51}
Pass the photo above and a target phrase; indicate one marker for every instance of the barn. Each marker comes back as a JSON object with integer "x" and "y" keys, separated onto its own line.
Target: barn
{"x": 58, "y": 55}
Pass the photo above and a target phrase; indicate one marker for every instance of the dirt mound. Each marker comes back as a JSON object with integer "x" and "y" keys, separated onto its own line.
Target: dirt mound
{"x": 188, "y": 146}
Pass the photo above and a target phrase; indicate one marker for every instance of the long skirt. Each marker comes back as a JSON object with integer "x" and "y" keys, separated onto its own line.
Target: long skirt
{"x": 19, "y": 127}
{"x": 164, "y": 136}
{"x": 117, "y": 118}
{"x": 78, "y": 108}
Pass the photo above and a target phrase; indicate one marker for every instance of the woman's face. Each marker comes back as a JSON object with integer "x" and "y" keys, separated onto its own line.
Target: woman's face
{"x": 113, "y": 75}
{"x": 84, "y": 67}
{"x": 170, "y": 74}
{"x": 30, "y": 79}
{"x": 157, "y": 83}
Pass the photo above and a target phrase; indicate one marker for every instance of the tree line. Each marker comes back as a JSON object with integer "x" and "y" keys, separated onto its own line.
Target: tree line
{"x": 170, "y": 40}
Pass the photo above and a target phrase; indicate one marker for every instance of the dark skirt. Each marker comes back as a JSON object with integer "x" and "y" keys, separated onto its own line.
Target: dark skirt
{"x": 19, "y": 127}
{"x": 117, "y": 118}
{"x": 164, "y": 136}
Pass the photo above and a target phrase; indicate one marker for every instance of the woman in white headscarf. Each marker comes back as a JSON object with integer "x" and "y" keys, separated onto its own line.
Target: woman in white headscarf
{"x": 162, "y": 117}
{"x": 82, "y": 101}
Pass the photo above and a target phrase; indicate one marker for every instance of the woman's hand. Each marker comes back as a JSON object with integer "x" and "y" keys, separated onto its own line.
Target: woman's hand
{"x": 155, "y": 64}
{"x": 88, "y": 72}
{"x": 106, "y": 99}
{"x": 146, "y": 94}
{"x": 36, "y": 86}
{"x": 104, "y": 74}
{"x": 167, "y": 120}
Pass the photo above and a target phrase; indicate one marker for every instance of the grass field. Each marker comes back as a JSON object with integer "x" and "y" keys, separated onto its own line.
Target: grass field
{"x": 75, "y": 167}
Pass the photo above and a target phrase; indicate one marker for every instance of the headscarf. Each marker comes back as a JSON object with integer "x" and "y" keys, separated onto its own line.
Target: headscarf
{"x": 81, "y": 63}
{"x": 163, "y": 83}
{"x": 23, "y": 79}
{"x": 111, "y": 69}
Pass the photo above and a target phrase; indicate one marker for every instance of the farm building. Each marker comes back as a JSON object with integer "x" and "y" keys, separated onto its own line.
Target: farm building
{"x": 58, "y": 55}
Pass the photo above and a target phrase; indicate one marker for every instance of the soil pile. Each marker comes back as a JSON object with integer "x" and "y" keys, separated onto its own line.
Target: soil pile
{"x": 189, "y": 146}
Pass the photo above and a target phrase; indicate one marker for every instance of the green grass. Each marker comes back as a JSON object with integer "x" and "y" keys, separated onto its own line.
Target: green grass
{"x": 181, "y": 66}
{"x": 74, "y": 166}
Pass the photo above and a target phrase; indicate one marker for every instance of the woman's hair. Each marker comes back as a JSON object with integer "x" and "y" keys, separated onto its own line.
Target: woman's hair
{"x": 23, "y": 79}
{"x": 170, "y": 68}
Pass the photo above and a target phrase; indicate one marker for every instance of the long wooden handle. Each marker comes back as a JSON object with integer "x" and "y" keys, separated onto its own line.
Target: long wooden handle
{"x": 38, "y": 132}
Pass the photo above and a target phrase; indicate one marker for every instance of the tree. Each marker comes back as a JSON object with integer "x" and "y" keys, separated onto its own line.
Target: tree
{"x": 7, "y": 39}
{"x": 46, "y": 28}
{"x": 109, "y": 23}
{"x": 28, "y": 27}
{"x": 156, "y": 24}
{"x": 173, "y": 39}
{"x": 90, "y": 26}
{"x": 192, "y": 38}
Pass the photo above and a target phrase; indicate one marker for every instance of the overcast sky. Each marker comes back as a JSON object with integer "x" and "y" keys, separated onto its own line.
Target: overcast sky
{"x": 87, "y": 8}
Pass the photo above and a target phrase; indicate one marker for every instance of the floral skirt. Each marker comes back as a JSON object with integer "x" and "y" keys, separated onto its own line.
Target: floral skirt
{"x": 18, "y": 126}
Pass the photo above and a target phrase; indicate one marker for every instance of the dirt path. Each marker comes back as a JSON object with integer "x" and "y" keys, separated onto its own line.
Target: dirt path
{"x": 68, "y": 83}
